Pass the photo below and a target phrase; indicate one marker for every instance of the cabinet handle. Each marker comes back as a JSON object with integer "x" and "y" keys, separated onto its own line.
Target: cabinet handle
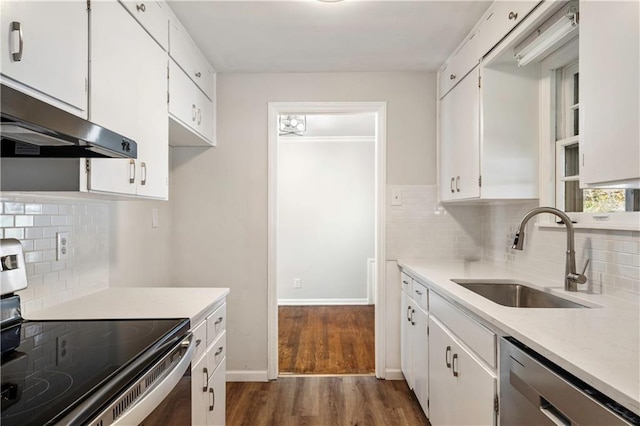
{"x": 409, "y": 314}
{"x": 193, "y": 112}
{"x": 413, "y": 311}
{"x": 132, "y": 171}
{"x": 447, "y": 353}
{"x": 513, "y": 15}
{"x": 218, "y": 321}
{"x": 143, "y": 168}
{"x": 451, "y": 185}
{"x": 17, "y": 26}
{"x": 458, "y": 183}
{"x": 141, "y": 7}
{"x": 219, "y": 351}
{"x": 198, "y": 74}
{"x": 198, "y": 341}
{"x": 213, "y": 399}
{"x": 452, "y": 77}
{"x": 199, "y": 116}
{"x": 455, "y": 365}
{"x": 418, "y": 292}
{"x": 405, "y": 282}
{"x": 206, "y": 378}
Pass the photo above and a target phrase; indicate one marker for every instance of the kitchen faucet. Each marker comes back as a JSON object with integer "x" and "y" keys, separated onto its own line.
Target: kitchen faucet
{"x": 572, "y": 278}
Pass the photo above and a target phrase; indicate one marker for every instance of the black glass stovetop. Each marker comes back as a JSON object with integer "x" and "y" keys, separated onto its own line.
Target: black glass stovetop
{"x": 58, "y": 364}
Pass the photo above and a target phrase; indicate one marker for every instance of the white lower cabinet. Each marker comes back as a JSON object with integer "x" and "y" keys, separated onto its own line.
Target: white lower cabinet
{"x": 462, "y": 390}
{"x": 414, "y": 343}
{"x": 208, "y": 372}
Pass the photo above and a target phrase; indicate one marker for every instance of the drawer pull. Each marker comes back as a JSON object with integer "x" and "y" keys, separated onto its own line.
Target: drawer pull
{"x": 408, "y": 314}
{"x": 198, "y": 341}
{"x": 418, "y": 292}
{"x": 198, "y": 74}
{"x": 219, "y": 351}
{"x": 143, "y": 179}
{"x": 218, "y": 321}
{"x": 447, "y": 353}
{"x": 458, "y": 183}
{"x": 405, "y": 282}
{"x": 455, "y": 365}
{"x": 17, "y": 26}
{"x": 213, "y": 399}
{"x": 132, "y": 171}
{"x": 206, "y": 378}
{"x": 193, "y": 112}
{"x": 513, "y": 15}
{"x": 452, "y": 77}
{"x": 451, "y": 185}
{"x": 141, "y": 7}
{"x": 413, "y": 311}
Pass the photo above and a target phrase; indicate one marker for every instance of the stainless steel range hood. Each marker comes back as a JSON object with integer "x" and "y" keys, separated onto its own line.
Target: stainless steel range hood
{"x": 31, "y": 128}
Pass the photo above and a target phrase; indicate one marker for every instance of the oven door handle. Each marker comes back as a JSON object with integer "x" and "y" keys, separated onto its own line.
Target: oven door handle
{"x": 152, "y": 399}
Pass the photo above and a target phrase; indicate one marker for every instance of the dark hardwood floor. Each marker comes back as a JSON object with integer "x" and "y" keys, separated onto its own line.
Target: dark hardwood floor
{"x": 323, "y": 401}
{"x": 326, "y": 339}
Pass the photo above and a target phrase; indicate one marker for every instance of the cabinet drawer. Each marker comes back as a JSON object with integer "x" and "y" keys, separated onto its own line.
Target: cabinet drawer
{"x": 154, "y": 17}
{"x": 500, "y": 19}
{"x": 465, "y": 58}
{"x": 217, "y": 352}
{"x": 216, "y": 323}
{"x": 419, "y": 295}
{"x": 200, "y": 336}
{"x": 189, "y": 108}
{"x": 405, "y": 282}
{"x": 187, "y": 55}
{"x": 473, "y": 334}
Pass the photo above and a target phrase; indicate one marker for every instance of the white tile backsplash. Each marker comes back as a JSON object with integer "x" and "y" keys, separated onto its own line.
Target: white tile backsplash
{"x": 35, "y": 221}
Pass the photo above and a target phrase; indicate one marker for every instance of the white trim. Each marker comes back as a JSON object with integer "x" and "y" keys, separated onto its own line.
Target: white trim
{"x": 317, "y": 302}
{"x": 394, "y": 374}
{"x": 247, "y": 376}
{"x": 327, "y": 139}
{"x": 371, "y": 281}
{"x": 380, "y": 111}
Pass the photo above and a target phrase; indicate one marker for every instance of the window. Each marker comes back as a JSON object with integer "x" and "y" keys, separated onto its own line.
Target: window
{"x": 569, "y": 196}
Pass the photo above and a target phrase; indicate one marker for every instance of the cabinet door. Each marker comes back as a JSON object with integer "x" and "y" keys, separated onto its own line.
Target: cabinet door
{"x": 199, "y": 392}
{"x": 405, "y": 339}
{"x": 154, "y": 17}
{"x": 500, "y": 19}
{"x": 460, "y": 140}
{"x": 609, "y": 87}
{"x": 128, "y": 95}
{"x": 420, "y": 357}
{"x": 441, "y": 388}
{"x": 50, "y": 42}
{"x": 217, "y": 395}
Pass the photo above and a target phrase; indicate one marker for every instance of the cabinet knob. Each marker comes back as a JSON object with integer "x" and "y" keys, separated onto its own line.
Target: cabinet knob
{"x": 141, "y": 7}
{"x": 198, "y": 74}
{"x": 513, "y": 15}
{"x": 452, "y": 77}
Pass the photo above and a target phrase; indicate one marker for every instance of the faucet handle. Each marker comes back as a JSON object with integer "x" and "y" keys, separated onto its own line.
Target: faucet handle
{"x": 586, "y": 265}
{"x": 580, "y": 278}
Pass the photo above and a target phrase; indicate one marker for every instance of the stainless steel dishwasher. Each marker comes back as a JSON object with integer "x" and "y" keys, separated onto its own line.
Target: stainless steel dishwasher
{"x": 535, "y": 391}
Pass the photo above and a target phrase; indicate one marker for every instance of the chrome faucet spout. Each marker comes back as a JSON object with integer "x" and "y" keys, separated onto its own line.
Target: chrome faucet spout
{"x": 572, "y": 277}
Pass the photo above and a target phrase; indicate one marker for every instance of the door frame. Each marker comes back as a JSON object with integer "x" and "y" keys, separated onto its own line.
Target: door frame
{"x": 379, "y": 109}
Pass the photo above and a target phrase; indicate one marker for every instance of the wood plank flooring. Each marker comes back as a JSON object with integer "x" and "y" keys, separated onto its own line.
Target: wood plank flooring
{"x": 323, "y": 401}
{"x": 326, "y": 339}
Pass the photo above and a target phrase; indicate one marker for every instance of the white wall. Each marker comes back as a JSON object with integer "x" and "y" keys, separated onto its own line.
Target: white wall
{"x": 326, "y": 212}
{"x": 219, "y": 195}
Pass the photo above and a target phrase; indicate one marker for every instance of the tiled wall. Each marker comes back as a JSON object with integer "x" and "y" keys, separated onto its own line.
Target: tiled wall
{"x": 614, "y": 255}
{"x": 35, "y": 222}
{"x": 420, "y": 228}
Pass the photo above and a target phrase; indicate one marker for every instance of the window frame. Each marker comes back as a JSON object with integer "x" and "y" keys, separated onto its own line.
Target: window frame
{"x": 548, "y": 150}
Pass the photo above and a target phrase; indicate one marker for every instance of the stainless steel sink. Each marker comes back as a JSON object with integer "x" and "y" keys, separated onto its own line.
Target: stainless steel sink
{"x": 516, "y": 295}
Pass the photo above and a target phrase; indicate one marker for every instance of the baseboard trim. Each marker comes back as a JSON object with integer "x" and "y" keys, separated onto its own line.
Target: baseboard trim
{"x": 247, "y": 376}
{"x": 393, "y": 374}
{"x": 312, "y": 302}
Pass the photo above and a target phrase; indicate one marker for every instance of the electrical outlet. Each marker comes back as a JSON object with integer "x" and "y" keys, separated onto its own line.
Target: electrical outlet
{"x": 62, "y": 245}
{"x": 63, "y": 348}
{"x": 296, "y": 283}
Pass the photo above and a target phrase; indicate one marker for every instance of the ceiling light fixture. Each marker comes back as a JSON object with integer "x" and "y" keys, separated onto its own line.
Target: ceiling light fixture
{"x": 553, "y": 37}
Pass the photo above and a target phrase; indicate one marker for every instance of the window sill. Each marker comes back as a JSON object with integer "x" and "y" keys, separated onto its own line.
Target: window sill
{"x": 596, "y": 226}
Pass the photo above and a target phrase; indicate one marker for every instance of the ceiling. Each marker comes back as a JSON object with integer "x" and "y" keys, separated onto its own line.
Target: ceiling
{"x": 314, "y": 36}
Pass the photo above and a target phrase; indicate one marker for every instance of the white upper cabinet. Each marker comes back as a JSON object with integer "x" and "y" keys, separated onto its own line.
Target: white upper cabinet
{"x": 129, "y": 95}
{"x": 609, "y": 87}
{"x": 45, "y": 51}
{"x": 499, "y": 20}
{"x": 463, "y": 60}
{"x": 154, "y": 17}
{"x": 188, "y": 57}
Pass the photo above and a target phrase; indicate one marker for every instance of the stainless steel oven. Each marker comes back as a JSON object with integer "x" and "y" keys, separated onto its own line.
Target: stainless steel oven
{"x": 93, "y": 372}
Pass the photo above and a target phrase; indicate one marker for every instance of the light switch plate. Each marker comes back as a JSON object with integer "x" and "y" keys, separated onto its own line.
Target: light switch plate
{"x": 396, "y": 197}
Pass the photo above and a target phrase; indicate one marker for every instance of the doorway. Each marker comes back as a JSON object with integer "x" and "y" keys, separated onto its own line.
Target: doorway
{"x": 309, "y": 302}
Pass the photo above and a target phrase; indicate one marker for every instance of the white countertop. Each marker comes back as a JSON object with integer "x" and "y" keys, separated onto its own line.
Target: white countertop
{"x": 600, "y": 345}
{"x": 137, "y": 302}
